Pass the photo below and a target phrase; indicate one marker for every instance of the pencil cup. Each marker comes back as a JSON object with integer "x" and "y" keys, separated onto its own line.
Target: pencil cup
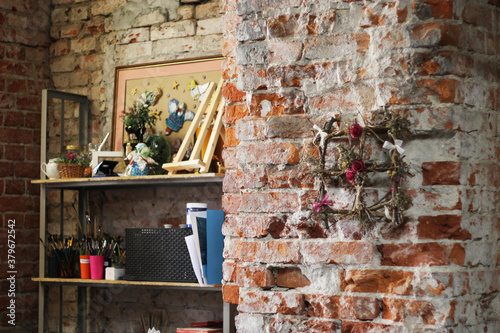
{"x": 84, "y": 266}
{"x": 67, "y": 262}
{"x": 53, "y": 267}
{"x": 96, "y": 267}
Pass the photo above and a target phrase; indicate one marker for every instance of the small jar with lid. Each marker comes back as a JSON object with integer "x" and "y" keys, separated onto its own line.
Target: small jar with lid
{"x": 77, "y": 150}
{"x": 194, "y": 210}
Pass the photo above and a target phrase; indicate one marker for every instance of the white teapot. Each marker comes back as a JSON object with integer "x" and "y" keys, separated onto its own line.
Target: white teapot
{"x": 50, "y": 169}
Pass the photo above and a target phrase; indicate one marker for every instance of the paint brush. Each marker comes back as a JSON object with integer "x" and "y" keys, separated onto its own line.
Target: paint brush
{"x": 89, "y": 230}
{"x": 77, "y": 219}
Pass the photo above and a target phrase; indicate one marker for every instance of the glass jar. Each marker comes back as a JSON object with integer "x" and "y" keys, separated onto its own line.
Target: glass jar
{"x": 79, "y": 151}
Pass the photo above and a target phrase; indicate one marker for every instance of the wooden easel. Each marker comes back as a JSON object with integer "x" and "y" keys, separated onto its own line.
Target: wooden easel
{"x": 211, "y": 107}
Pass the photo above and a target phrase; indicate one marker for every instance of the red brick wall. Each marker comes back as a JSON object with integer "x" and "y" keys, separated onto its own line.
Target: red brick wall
{"x": 292, "y": 64}
{"x": 24, "y": 43}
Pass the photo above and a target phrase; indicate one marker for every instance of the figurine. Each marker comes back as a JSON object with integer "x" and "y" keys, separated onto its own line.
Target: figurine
{"x": 178, "y": 115}
{"x": 198, "y": 91}
{"x": 139, "y": 161}
{"x": 150, "y": 97}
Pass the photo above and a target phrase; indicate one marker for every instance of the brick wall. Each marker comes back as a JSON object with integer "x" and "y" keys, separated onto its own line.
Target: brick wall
{"x": 24, "y": 43}
{"x": 294, "y": 64}
{"x": 89, "y": 40}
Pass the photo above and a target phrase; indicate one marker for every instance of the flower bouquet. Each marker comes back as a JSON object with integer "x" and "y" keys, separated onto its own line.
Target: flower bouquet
{"x": 72, "y": 165}
{"x": 139, "y": 115}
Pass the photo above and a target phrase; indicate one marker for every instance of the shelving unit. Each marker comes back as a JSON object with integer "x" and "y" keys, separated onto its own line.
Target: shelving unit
{"x": 82, "y": 185}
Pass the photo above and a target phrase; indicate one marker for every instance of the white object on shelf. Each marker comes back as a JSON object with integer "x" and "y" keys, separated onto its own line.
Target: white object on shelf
{"x": 193, "y": 210}
{"x": 51, "y": 170}
{"x": 115, "y": 273}
{"x": 153, "y": 330}
{"x": 195, "y": 261}
{"x": 103, "y": 142}
{"x": 97, "y": 154}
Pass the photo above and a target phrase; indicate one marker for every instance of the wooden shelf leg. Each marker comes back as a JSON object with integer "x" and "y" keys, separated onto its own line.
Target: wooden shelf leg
{"x": 229, "y": 312}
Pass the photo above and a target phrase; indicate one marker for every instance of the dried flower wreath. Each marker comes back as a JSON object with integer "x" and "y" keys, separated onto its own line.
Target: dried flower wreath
{"x": 355, "y": 169}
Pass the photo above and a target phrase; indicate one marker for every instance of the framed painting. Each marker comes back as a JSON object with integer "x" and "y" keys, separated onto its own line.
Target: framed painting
{"x": 176, "y": 86}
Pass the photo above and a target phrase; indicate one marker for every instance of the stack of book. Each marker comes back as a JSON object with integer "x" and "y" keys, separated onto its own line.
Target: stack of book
{"x": 206, "y": 245}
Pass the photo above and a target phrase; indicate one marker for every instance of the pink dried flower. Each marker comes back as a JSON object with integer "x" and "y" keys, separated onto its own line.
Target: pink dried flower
{"x": 325, "y": 202}
{"x": 357, "y": 166}
{"x": 351, "y": 176}
{"x": 356, "y": 130}
{"x": 71, "y": 156}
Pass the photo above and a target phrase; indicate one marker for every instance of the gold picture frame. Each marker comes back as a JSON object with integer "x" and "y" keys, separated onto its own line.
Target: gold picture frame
{"x": 174, "y": 78}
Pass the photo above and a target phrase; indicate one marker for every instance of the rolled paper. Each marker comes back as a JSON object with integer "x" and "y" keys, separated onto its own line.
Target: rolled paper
{"x": 103, "y": 142}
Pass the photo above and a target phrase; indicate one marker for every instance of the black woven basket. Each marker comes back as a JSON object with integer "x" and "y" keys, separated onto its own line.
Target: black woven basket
{"x": 156, "y": 254}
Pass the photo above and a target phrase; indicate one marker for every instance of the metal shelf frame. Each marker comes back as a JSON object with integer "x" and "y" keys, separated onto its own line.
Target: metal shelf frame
{"x": 82, "y": 185}
{"x": 83, "y": 124}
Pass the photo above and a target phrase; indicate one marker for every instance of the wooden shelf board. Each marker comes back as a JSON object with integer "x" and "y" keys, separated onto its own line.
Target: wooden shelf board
{"x": 184, "y": 165}
{"x": 113, "y": 283}
{"x": 131, "y": 181}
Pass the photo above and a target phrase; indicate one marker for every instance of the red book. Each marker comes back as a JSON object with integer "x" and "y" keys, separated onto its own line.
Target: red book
{"x": 208, "y": 324}
{"x": 199, "y": 330}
